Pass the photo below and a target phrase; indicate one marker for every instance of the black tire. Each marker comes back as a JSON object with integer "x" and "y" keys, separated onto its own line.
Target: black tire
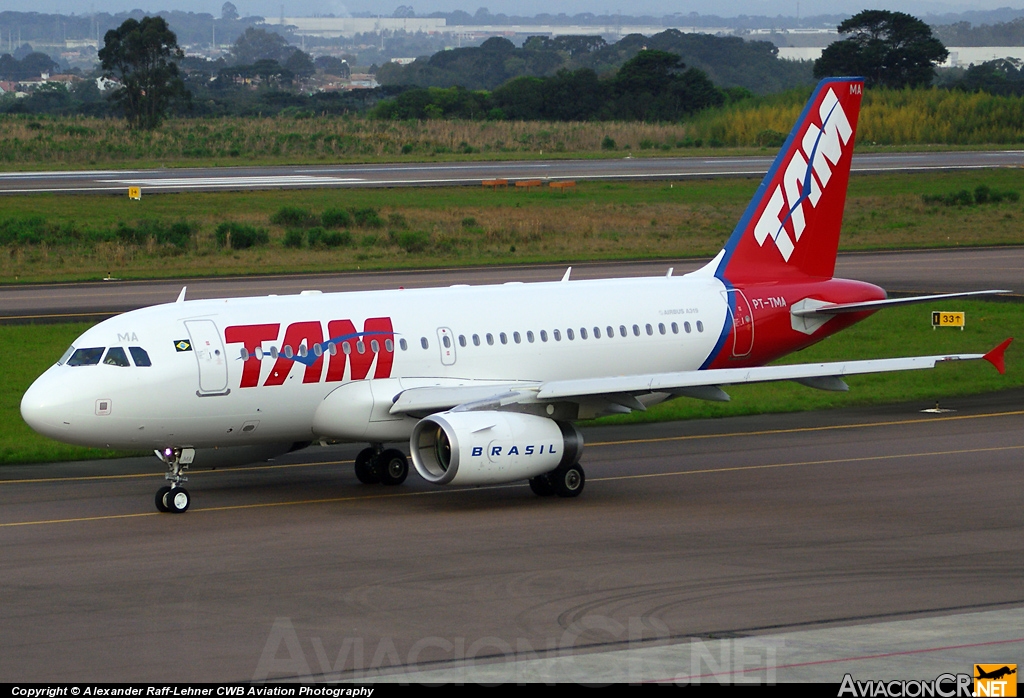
{"x": 393, "y": 467}
{"x": 178, "y": 500}
{"x": 366, "y": 471}
{"x": 541, "y": 486}
{"x": 161, "y": 505}
{"x": 569, "y": 481}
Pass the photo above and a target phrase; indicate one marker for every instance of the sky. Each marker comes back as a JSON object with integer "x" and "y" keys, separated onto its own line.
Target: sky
{"x": 300, "y": 8}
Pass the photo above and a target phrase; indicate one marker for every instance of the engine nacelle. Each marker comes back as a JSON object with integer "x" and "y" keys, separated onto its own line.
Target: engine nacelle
{"x": 486, "y": 448}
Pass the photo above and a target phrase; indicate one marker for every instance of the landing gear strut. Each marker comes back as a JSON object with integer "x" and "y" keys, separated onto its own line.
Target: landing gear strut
{"x": 377, "y": 464}
{"x": 174, "y": 498}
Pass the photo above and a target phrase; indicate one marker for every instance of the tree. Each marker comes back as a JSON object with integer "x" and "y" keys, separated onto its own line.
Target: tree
{"x": 228, "y": 11}
{"x": 142, "y": 57}
{"x": 889, "y": 49}
{"x": 258, "y": 45}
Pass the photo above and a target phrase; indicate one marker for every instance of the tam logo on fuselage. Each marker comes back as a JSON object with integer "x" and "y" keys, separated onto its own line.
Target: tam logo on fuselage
{"x": 305, "y": 343}
{"x": 805, "y": 177}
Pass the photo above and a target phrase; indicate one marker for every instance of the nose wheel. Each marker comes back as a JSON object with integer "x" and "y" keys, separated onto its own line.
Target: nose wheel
{"x": 174, "y": 498}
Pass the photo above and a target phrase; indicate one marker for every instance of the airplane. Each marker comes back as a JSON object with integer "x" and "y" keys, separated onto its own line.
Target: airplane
{"x": 485, "y": 382}
{"x": 996, "y": 674}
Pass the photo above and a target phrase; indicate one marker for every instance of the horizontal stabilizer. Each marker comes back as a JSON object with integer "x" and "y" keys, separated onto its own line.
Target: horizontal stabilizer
{"x": 837, "y": 308}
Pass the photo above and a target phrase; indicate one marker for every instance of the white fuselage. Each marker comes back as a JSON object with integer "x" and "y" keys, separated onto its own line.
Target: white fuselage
{"x": 203, "y": 394}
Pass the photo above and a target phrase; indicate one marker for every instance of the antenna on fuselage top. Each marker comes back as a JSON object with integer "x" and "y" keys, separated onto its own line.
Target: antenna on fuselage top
{"x": 181, "y": 296}
{"x": 567, "y": 272}
{"x": 670, "y": 270}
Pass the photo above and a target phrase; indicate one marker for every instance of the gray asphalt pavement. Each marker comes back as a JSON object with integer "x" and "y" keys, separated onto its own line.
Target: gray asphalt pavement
{"x": 874, "y": 538}
{"x": 464, "y": 173}
{"x": 929, "y": 271}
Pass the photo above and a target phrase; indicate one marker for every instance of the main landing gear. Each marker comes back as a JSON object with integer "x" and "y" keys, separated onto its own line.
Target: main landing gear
{"x": 175, "y": 499}
{"x": 376, "y": 464}
{"x": 564, "y": 481}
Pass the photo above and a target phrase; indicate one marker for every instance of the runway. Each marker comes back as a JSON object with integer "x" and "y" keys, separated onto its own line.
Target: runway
{"x": 466, "y": 173}
{"x": 926, "y": 271}
{"x": 811, "y": 536}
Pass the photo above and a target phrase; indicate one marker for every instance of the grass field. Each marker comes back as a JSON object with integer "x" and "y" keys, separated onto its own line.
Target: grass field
{"x": 428, "y": 227}
{"x": 30, "y": 349}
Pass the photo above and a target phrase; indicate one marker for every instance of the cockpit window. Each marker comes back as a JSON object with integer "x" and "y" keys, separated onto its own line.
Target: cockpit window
{"x": 62, "y": 360}
{"x": 86, "y": 357}
{"x": 116, "y": 357}
{"x": 140, "y": 357}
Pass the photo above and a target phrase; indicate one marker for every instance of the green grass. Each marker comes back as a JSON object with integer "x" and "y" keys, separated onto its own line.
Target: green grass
{"x": 598, "y": 221}
{"x": 31, "y": 349}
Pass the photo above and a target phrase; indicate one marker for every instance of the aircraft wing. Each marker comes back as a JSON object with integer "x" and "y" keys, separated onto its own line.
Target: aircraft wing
{"x": 622, "y": 390}
{"x": 807, "y": 309}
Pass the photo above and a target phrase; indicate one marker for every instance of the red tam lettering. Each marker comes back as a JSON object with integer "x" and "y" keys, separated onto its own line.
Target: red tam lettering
{"x": 312, "y": 333}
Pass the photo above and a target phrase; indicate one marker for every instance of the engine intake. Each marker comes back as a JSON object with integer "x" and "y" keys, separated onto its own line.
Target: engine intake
{"x": 482, "y": 448}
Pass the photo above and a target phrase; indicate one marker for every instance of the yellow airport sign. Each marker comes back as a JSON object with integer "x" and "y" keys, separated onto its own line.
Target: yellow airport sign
{"x": 135, "y": 193}
{"x": 948, "y": 318}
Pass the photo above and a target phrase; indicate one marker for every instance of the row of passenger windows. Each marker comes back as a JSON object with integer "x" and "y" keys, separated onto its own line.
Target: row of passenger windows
{"x": 319, "y": 350}
{"x": 569, "y": 334}
{"x": 115, "y": 356}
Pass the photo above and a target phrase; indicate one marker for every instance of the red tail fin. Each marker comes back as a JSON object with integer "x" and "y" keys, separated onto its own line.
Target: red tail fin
{"x": 791, "y": 228}
{"x": 995, "y": 357}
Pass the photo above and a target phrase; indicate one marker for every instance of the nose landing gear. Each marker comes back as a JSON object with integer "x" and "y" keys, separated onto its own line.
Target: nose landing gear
{"x": 174, "y": 498}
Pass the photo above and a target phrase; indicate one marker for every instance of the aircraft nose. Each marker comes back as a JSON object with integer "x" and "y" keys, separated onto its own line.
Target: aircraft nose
{"x": 44, "y": 409}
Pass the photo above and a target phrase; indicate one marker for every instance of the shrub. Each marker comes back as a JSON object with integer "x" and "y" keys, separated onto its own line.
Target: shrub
{"x": 294, "y": 238}
{"x": 293, "y": 216}
{"x": 397, "y": 220}
{"x": 413, "y": 241}
{"x": 608, "y": 143}
{"x": 341, "y": 238}
{"x": 239, "y": 236}
{"x": 335, "y": 218}
{"x": 315, "y": 236}
{"x": 468, "y": 222}
{"x": 367, "y": 218}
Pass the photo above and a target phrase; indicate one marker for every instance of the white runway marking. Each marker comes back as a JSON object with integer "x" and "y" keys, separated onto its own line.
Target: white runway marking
{"x": 258, "y": 181}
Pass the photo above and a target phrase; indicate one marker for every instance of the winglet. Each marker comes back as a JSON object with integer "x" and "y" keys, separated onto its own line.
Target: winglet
{"x": 567, "y": 272}
{"x": 181, "y": 296}
{"x": 995, "y": 357}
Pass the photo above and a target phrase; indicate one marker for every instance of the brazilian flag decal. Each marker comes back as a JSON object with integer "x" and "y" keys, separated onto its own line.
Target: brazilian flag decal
{"x": 183, "y": 345}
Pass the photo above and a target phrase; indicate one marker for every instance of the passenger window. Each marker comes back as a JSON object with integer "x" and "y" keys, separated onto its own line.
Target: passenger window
{"x": 650, "y": 330}
{"x": 476, "y": 340}
{"x": 375, "y": 346}
{"x": 318, "y": 350}
{"x": 700, "y": 326}
{"x": 116, "y": 357}
{"x": 583, "y": 333}
{"x": 86, "y": 357}
{"x": 288, "y": 353}
{"x": 517, "y": 338}
{"x": 504, "y": 338}
{"x": 543, "y": 335}
{"x": 424, "y": 343}
{"x": 569, "y": 334}
{"x": 661, "y": 327}
{"x": 402, "y": 343}
{"x": 622, "y": 330}
{"x": 446, "y": 341}
{"x": 302, "y": 351}
{"x": 636, "y": 330}
{"x": 462, "y": 340}
{"x": 529, "y": 336}
{"x": 597, "y": 333}
{"x": 141, "y": 358}
{"x": 558, "y": 336}
{"x": 361, "y": 347}
{"x": 243, "y": 355}
{"x": 490, "y": 339}
{"x": 675, "y": 328}
{"x": 610, "y": 331}
{"x": 686, "y": 327}
{"x": 273, "y": 351}
{"x": 389, "y": 346}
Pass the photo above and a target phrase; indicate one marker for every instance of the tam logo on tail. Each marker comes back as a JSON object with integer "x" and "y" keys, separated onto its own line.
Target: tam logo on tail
{"x": 791, "y": 227}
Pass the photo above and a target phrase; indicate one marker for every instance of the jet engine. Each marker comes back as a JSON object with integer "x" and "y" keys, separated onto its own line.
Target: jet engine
{"x": 485, "y": 448}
